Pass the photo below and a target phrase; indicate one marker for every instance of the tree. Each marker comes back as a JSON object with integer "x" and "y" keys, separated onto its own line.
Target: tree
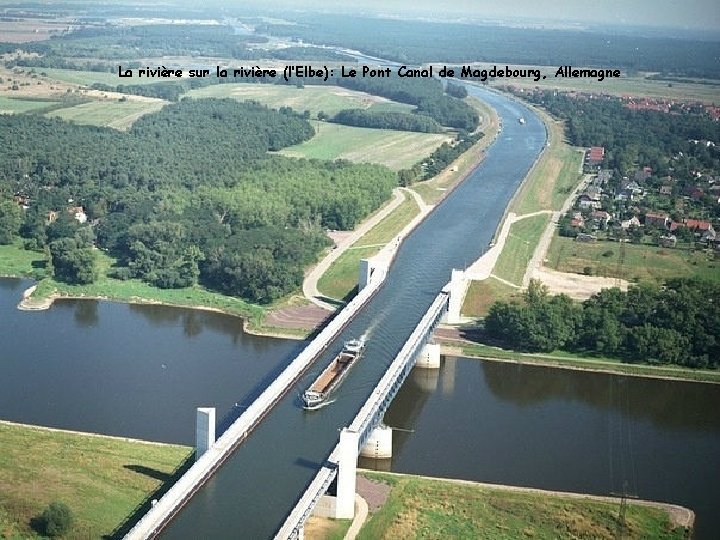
{"x": 56, "y": 519}
{"x": 72, "y": 262}
{"x": 10, "y": 221}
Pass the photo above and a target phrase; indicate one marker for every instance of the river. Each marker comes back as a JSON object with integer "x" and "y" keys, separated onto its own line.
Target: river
{"x": 141, "y": 370}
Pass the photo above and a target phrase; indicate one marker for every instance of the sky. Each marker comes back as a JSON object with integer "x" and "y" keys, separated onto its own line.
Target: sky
{"x": 704, "y": 14}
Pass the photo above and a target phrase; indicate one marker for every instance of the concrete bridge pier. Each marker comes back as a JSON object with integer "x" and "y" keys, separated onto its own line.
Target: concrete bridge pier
{"x": 347, "y": 470}
{"x": 367, "y": 268}
{"x": 379, "y": 444}
{"x": 204, "y": 430}
{"x": 429, "y": 357}
{"x": 457, "y": 288}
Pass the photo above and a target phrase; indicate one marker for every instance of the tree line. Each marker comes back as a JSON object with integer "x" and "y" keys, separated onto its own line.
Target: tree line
{"x": 677, "y": 323}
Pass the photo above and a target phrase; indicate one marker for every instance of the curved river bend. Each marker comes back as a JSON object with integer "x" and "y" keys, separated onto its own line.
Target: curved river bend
{"x": 141, "y": 370}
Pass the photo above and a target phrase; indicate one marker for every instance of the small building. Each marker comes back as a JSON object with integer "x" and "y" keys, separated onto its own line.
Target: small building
{"x": 667, "y": 241}
{"x": 586, "y": 238}
{"x": 657, "y": 219}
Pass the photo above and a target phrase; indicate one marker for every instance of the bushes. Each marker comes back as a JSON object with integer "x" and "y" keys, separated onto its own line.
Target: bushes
{"x": 55, "y": 520}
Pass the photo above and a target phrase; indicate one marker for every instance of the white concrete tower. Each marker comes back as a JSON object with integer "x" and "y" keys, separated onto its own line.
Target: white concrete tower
{"x": 204, "y": 430}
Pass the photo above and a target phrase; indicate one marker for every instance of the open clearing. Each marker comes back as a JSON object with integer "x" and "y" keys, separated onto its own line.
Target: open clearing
{"x": 482, "y": 294}
{"x": 114, "y": 114}
{"x": 101, "y": 479}
{"x": 630, "y": 261}
{"x": 328, "y": 99}
{"x": 421, "y": 507}
{"x": 396, "y": 149}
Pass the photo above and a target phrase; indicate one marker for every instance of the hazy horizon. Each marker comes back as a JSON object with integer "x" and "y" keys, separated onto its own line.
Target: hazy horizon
{"x": 691, "y": 14}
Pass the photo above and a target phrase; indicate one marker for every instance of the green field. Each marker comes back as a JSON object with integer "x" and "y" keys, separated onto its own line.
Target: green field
{"x": 16, "y": 106}
{"x": 16, "y": 261}
{"x": 396, "y": 149}
{"x": 101, "y": 479}
{"x": 342, "y": 276}
{"x": 632, "y": 262}
{"x": 433, "y": 508}
{"x": 519, "y": 248}
{"x": 114, "y": 114}
{"x": 328, "y": 99}
{"x": 87, "y": 78}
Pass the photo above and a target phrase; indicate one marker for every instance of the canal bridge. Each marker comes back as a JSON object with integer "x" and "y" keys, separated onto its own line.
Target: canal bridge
{"x": 271, "y": 458}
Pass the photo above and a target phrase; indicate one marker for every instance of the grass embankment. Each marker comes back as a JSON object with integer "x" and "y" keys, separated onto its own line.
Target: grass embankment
{"x": 318, "y": 528}
{"x": 564, "y": 359}
{"x": 342, "y": 276}
{"x": 519, "y": 248}
{"x": 436, "y": 188}
{"x": 481, "y": 295}
{"x": 101, "y": 479}
{"x": 88, "y": 78}
{"x": 115, "y": 114}
{"x": 16, "y": 261}
{"x": 632, "y": 262}
{"x": 434, "y": 508}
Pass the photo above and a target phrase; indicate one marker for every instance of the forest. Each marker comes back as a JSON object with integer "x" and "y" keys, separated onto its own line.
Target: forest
{"x": 387, "y": 120}
{"x": 677, "y": 323}
{"x": 418, "y": 42}
{"x": 189, "y": 194}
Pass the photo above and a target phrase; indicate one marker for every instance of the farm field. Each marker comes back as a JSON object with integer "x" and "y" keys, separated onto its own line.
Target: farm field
{"x": 328, "y": 99}
{"x": 630, "y": 261}
{"x": 87, "y": 78}
{"x": 396, "y": 149}
{"x": 115, "y": 114}
{"x": 16, "y": 106}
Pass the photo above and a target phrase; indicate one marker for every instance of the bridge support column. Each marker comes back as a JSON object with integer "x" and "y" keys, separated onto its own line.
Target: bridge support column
{"x": 379, "y": 445}
{"x": 367, "y": 267}
{"x": 204, "y": 430}
{"x": 347, "y": 470}
{"x": 457, "y": 288}
{"x": 429, "y": 357}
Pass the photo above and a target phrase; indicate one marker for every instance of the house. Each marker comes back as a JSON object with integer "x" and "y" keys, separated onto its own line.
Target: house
{"x": 632, "y": 222}
{"x": 600, "y": 218}
{"x": 697, "y": 225}
{"x": 604, "y": 176}
{"x": 594, "y": 155}
{"x": 78, "y": 213}
{"x": 52, "y": 217}
{"x": 668, "y": 240}
{"x": 665, "y": 190}
{"x": 586, "y": 238}
{"x": 657, "y": 219}
{"x": 585, "y": 202}
{"x": 709, "y": 236}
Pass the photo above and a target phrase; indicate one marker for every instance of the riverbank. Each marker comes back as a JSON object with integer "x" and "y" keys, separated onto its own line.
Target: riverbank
{"x": 408, "y": 506}
{"x": 563, "y": 360}
{"x": 102, "y": 479}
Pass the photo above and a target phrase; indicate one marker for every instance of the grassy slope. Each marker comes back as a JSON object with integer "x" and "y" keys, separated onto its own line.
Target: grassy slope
{"x": 114, "y": 114}
{"x": 564, "y": 359}
{"x": 519, "y": 248}
{"x": 429, "y": 508}
{"x": 481, "y": 295}
{"x": 396, "y": 149}
{"x": 15, "y": 261}
{"x": 631, "y": 261}
{"x": 94, "y": 476}
{"x": 342, "y": 276}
